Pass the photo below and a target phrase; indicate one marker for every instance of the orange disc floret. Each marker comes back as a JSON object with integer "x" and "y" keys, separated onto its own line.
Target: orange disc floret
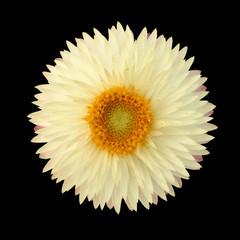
{"x": 119, "y": 120}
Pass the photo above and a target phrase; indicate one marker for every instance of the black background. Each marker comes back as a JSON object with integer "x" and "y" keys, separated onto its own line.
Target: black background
{"x": 201, "y": 204}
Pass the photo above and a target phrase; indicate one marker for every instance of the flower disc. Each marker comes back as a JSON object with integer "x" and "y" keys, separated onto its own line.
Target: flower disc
{"x": 119, "y": 120}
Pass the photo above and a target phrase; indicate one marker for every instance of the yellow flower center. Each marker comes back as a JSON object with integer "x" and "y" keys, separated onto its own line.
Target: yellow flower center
{"x": 119, "y": 120}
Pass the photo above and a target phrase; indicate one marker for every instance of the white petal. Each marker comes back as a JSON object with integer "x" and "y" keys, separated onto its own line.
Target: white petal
{"x": 143, "y": 200}
{"x": 83, "y": 192}
{"x": 109, "y": 186}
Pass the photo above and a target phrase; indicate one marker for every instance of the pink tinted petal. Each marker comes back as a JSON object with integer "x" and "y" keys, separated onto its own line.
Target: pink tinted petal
{"x": 179, "y": 180}
{"x": 59, "y": 59}
{"x": 110, "y": 204}
{"x": 198, "y": 158}
{"x": 38, "y": 127}
{"x": 77, "y": 190}
{"x": 44, "y": 155}
{"x": 193, "y": 73}
{"x": 209, "y": 113}
{"x": 148, "y": 35}
{"x": 155, "y": 198}
{"x": 201, "y": 88}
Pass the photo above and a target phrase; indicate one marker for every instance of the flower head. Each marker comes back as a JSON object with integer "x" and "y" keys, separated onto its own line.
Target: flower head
{"x": 122, "y": 118}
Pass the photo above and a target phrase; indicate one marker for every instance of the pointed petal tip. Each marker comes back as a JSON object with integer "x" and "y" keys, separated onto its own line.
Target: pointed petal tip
{"x": 118, "y": 23}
